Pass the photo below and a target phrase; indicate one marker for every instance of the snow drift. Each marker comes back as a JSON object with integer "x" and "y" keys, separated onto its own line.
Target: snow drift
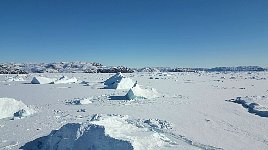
{"x": 10, "y": 107}
{"x": 138, "y": 93}
{"x": 118, "y": 81}
{"x": 105, "y": 132}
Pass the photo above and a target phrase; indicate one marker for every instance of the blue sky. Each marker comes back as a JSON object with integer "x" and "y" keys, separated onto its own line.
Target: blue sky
{"x": 136, "y": 33}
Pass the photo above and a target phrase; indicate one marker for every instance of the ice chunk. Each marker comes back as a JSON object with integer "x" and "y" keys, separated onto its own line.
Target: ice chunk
{"x": 42, "y": 80}
{"x": 137, "y": 92}
{"x": 80, "y": 101}
{"x": 78, "y": 136}
{"x": 114, "y": 78}
{"x": 10, "y": 107}
{"x": 118, "y": 81}
{"x": 255, "y": 104}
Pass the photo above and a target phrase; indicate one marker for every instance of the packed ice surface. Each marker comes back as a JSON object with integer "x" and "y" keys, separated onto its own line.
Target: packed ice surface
{"x": 255, "y": 104}
{"x": 10, "y": 107}
{"x": 118, "y": 81}
{"x": 138, "y": 93}
{"x": 104, "y": 132}
{"x": 65, "y": 80}
{"x": 42, "y": 80}
{"x": 192, "y": 110}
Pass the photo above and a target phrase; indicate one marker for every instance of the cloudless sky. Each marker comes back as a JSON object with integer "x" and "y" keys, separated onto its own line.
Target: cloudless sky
{"x": 136, "y": 33}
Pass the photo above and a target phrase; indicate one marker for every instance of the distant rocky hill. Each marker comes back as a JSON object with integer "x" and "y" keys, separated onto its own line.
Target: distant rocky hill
{"x": 216, "y": 69}
{"x": 92, "y": 67}
{"x": 60, "y": 67}
{"x": 236, "y": 69}
{"x": 166, "y": 69}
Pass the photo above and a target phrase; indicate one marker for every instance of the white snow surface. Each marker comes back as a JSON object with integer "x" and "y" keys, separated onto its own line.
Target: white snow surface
{"x": 194, "y": 111}
{"x": 10, "y": 107}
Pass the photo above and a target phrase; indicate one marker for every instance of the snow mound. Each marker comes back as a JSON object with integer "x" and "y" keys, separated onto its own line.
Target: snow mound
{"x": 255, "y": 104}
{"x": 15, "y": 78}
{"x": 10, "y": 107}
{"x": 118, "y": 81}
{"x": 65, "y": 80}
{"x": 138, "y": 93}
{"x": 104, "y": 132}
{"x": 80, "y": 101}
{"x": 42, "y": 80}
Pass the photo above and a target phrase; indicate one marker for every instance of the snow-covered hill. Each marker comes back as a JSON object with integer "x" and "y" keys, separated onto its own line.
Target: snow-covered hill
{"x": 91, "y": 67}
{"x": 60, "y": 67}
